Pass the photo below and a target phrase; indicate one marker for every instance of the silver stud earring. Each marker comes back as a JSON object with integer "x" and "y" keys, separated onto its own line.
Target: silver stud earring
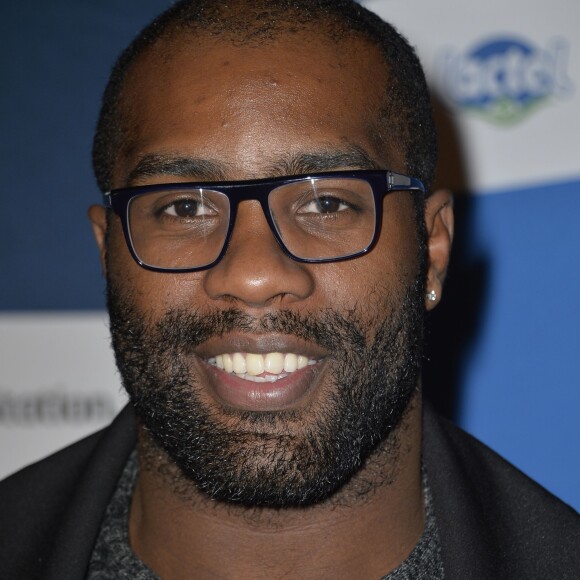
{"x": 431, "y": 296}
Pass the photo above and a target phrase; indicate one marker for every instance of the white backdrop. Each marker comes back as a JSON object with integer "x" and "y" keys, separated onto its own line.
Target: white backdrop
{"x": 58, "y": 384}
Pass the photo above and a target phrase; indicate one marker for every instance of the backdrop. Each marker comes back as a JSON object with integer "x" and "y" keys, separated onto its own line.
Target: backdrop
{"x": 503, "y": 344}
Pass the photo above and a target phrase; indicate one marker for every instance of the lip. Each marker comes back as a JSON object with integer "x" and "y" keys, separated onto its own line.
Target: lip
{"x": 259, "y": 344}
{"x": 286, "y": 393}
{"x": 290, "y": 392}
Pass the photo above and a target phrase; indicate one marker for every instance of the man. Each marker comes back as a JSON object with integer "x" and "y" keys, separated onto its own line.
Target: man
{"x": 271, "y": 245}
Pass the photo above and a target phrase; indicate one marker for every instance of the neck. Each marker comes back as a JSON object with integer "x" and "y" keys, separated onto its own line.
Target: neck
{"x": 365, "y": 530}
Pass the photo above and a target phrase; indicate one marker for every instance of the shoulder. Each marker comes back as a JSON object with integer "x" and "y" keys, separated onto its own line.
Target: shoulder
{"x": 491, "y": 513}
{"x": 37, "y": 502}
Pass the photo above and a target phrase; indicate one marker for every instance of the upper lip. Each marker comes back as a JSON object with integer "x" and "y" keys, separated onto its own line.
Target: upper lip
{"x": 258, "y": 344}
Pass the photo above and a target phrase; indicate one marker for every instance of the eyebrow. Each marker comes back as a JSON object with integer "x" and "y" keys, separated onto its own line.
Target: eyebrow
{"x": 200, "y": 169}
{"x": 349, "y": 157}
{"x": 156, "y": 164}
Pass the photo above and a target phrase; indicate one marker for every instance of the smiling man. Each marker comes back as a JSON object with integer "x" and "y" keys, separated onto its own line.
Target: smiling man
{"x": 271, "y": 246}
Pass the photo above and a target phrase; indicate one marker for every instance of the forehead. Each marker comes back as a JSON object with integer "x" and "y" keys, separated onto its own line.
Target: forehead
{"x": 247, "y": 106}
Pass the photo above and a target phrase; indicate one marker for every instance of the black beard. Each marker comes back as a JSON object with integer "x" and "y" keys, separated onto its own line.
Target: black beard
{"x": 303, "y": 457}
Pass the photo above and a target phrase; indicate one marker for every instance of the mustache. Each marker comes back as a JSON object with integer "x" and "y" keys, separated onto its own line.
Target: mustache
{"x": 328, "y": 329}
{"x": 184, "y": 328}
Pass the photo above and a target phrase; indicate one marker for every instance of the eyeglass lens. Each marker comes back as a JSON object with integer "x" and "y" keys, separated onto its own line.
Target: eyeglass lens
{"x": 316, "y": 219}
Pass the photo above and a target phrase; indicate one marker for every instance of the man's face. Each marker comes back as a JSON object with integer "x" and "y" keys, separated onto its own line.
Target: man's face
{"x": 205, "y": 110}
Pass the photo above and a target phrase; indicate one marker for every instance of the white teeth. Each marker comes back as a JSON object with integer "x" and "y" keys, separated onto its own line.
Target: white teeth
{"x": 261, "y": 368}
{"x": 254, "y": 364}
{"x": 228, "y": 364}
{"x": 290, "y": 362}
{"x": 265, "y": 378}
{"x": 274, "y": 363}
{"x": 239, "y": 361}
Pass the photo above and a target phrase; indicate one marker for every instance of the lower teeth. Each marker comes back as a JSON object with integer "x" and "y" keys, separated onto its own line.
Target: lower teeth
{"x": 262, "y": 379}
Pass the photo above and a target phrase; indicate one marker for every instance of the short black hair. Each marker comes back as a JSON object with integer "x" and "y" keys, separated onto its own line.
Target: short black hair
{"x": 406, "y": 109}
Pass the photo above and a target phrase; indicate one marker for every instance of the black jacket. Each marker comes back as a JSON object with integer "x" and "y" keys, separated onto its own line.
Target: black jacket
{"x": 494, "y": 522}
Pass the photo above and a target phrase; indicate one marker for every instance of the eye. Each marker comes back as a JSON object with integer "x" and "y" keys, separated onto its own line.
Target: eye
{"x": 324, "y": 204}
{"x": 187, "y": 208}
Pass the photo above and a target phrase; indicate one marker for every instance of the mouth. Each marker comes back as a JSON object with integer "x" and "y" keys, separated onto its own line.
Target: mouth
{"x": 261, "y": 368}
{"x": 261, "y": 372}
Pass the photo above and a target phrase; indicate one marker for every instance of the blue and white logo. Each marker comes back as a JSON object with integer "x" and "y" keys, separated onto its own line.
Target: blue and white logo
{"x": 505, "y": 79}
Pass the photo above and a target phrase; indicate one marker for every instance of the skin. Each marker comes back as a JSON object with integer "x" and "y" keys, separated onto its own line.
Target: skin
{"x": 253, "y": 111}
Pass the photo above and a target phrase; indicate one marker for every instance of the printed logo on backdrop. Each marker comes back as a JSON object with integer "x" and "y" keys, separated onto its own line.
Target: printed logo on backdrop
{"x": 505, "y": 79}
{"x": 54, "y": 407}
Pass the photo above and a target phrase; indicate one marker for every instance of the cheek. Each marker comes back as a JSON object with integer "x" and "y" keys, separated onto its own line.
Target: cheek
{"x": 390, "y": 267}
{"x": 368, "y": 287}
{"x": 152, "y": 293}
{"x": 398, "y": 245}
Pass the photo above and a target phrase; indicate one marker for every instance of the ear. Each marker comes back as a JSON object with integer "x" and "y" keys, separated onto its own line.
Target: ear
{"x": 98, "y": 217}
{"x": 439, "y": 224}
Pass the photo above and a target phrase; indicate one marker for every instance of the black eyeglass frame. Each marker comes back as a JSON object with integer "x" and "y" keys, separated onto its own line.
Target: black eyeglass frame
{"x": 382, "y": 182}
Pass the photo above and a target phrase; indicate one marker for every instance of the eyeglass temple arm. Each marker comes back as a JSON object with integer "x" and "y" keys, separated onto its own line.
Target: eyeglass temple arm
{"x": 403, "y": 182}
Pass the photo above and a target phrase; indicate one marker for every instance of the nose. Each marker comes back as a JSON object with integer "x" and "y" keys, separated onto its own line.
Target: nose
{"x": 255, "y": 271}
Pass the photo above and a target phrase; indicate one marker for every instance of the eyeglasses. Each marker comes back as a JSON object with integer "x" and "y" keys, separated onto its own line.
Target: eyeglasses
{"x": 322, "y": 217}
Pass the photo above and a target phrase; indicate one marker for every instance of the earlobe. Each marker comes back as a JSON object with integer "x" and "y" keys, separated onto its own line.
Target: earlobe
{"x": 98, "y": 216}
{"x": 439, "y": 223}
